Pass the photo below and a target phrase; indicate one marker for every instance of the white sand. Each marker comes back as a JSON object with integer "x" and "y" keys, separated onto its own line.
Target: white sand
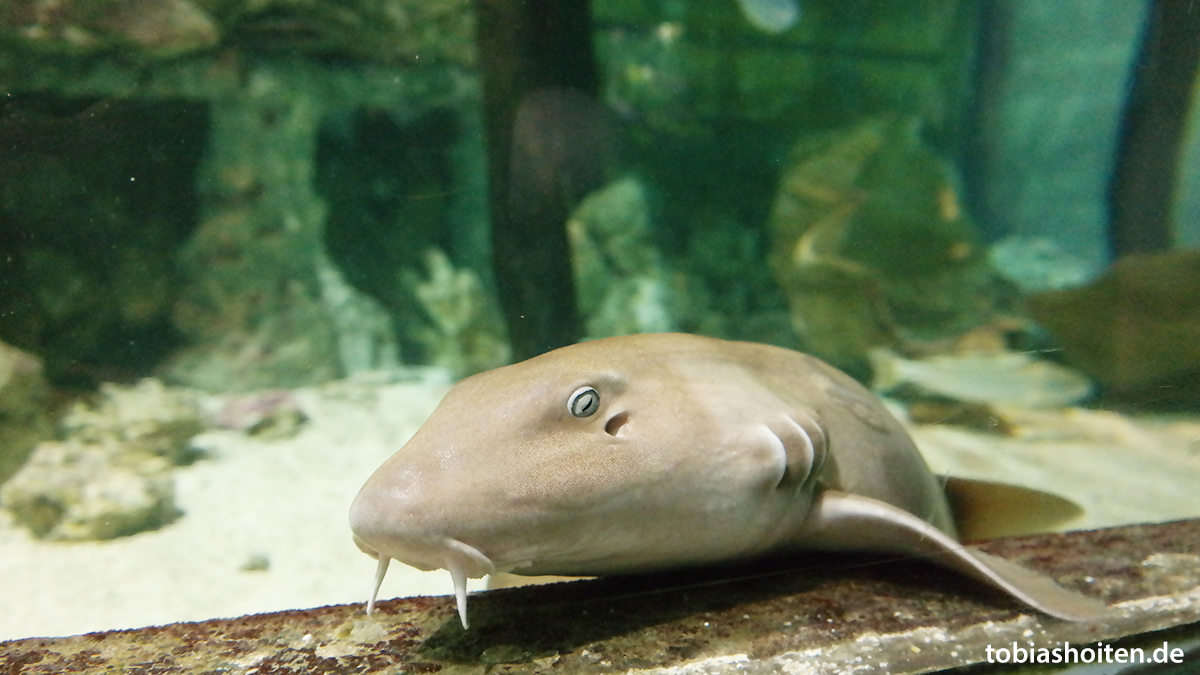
{"x": 286, "y": 500}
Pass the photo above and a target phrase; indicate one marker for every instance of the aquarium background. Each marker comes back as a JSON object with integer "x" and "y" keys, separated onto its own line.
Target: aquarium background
{"x": 245, "y": 246}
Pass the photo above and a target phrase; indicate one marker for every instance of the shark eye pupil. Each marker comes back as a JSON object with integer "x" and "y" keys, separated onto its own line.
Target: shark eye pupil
{"x": 584, "y": 402}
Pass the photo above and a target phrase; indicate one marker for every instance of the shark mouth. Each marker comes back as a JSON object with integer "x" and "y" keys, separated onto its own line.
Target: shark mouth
{"x": 462, "y": 561}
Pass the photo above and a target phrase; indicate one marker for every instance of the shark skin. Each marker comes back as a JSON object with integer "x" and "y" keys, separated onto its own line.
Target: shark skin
{"x": 658, "y": 451}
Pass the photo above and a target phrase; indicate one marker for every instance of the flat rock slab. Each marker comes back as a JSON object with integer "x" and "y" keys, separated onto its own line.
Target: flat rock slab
{"x": 815, "y": 614}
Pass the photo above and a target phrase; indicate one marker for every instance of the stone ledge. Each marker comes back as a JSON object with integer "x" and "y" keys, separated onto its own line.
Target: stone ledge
{"x": 814, "y": 614}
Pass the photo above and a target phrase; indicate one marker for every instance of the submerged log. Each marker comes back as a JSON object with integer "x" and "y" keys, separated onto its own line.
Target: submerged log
{"x": 818, "y": 614}
{"x": 526, "y": 48}
{"x": 1153, "y": 130}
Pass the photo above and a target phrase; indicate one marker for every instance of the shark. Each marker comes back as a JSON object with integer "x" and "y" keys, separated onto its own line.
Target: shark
{"x": 650, "y": 452}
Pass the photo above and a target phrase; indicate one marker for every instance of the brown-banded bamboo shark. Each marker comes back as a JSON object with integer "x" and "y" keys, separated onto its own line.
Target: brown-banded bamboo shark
{"x": 647, "y": 452}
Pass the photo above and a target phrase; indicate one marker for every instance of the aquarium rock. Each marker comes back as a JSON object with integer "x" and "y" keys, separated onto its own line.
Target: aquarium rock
{"x": 94, "y": 168}
{"x": 465, "y": 334}
{"x": 267, "y": 415}
{"x": 250, "y": 299}
{"x": 621, "y": 280}
{"x": 74, "y": 490}
{"x": 153, "y": 28}
{"x": 771, "y": 16}
{"x": 1137, "y": 326}
{"x": 365, "y": 337}
{"x": 147, "y": 418}
{"x": 1037, "y": 264}
{"x": 24, "y": 408}
{"x": 111, "y": 474}
{"x": 871, "y": 246}
{"x": 1001, "y": 378}
{"x": 160, "y": 30}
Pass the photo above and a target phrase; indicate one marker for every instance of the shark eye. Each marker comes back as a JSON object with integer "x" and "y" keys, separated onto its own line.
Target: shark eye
{"x": 584, "y": 402}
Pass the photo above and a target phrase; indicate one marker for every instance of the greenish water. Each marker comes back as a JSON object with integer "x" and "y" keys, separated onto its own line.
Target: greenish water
{"x": 232, "y": 200}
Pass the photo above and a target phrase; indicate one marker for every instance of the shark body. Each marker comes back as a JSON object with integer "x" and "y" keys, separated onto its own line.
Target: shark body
{"x": 646, "y": 452}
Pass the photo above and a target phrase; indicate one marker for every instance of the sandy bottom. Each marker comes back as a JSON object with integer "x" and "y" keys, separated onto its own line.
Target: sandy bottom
{"x": 285, "y": 501}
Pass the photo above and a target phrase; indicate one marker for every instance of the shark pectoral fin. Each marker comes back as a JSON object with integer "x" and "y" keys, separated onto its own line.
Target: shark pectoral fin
{"x": 845, "y": 522}
{"x": 1036, "y": 590}
{"x": 989, "y": 510}
{"x": 803, "y": 443}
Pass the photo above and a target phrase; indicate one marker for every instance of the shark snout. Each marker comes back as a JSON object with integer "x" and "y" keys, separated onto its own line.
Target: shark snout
{"x": 386, "y": 528}
{"x": 391, "y": 523}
